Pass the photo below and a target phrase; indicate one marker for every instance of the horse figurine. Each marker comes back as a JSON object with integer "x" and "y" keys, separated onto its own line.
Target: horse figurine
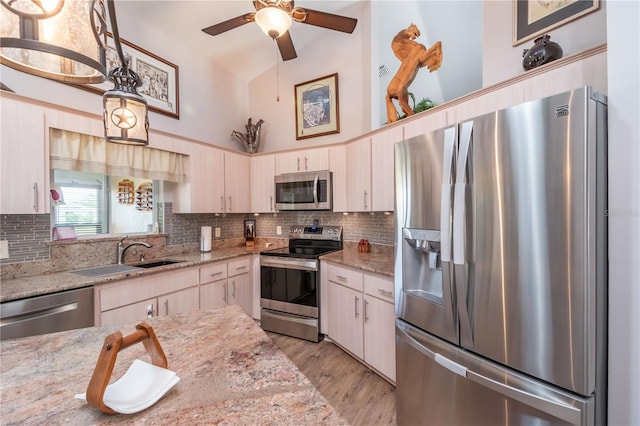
{"x": 413, "y": 56}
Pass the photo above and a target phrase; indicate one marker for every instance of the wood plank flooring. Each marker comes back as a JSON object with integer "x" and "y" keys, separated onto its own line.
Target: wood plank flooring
{"x": 358, "y": 394}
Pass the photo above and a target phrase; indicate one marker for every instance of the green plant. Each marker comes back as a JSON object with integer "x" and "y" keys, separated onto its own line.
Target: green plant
{"x": 423, "y": 105}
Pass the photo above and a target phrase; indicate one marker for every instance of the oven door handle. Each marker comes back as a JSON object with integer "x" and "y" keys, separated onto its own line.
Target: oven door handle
{"x": 289, "y": 263}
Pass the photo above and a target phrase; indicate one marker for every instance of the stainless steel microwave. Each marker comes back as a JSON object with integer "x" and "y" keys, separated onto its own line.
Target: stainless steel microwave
{"x": 304, "y": 191}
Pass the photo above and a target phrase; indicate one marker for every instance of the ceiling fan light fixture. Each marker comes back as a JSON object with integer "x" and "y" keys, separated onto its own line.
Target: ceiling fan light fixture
{"x": 273, "y": 21}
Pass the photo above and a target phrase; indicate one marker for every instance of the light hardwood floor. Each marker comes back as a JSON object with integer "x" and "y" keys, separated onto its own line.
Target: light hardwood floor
{"x": 360, "y": 395}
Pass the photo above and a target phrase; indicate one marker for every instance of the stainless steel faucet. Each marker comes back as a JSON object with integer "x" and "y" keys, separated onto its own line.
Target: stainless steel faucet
{"x": 122, "y": 248}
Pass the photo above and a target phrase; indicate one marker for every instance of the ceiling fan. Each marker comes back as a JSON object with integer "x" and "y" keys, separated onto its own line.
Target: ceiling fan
{"x": 275, "y": 18}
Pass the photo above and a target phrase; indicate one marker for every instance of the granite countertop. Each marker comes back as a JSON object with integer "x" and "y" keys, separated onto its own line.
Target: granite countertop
{"x": 36, "y": 285}
{"x": 379, "y": 260}
{"x": 230, "y": 373}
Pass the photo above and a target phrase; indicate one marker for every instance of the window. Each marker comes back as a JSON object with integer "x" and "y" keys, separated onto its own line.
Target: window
{"x": 85, "y": 207}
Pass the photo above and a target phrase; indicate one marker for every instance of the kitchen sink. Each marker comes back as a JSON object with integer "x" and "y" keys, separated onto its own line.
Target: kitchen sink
{"x": 158, "y": 263}
{"x": 100, "y": 271}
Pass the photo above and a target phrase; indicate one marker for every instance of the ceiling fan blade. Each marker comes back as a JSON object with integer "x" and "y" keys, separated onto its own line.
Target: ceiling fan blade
{"x": 329, "y": 20}
{"x": 285, "y": 45}
{"x": 230, "y": 24}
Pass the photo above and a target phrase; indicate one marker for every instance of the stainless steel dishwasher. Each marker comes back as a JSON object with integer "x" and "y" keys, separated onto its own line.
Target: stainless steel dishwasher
{"x": 66, "y": 310}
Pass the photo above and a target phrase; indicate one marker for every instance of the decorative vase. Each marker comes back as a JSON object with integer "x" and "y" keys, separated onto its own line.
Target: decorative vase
{"x": 543, "y": 51}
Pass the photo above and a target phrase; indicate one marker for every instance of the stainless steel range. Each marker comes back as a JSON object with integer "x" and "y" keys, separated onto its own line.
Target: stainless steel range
{"x": 290, "y": 279}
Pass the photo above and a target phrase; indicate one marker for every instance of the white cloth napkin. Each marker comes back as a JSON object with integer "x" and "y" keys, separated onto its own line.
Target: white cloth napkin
{"x": 140, "y": 387}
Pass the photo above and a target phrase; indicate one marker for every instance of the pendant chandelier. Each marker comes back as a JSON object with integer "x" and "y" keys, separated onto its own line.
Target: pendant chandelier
{"x": 125, "y": 110}
{"x": 66, "y": 41}
{"x": 56, "y": 39}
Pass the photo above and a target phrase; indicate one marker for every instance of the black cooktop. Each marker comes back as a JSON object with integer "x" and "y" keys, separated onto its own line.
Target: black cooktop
{"x": 309, "y": 242}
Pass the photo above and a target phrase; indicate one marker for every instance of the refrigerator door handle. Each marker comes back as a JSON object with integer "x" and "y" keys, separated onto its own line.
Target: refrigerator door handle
{"x": 445, "y": 195}
{"x": 566, "y": 412}
{"x": 459, "y": 208}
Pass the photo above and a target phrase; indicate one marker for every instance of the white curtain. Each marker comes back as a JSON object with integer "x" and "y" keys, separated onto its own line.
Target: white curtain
{"x": 86, "y": 153}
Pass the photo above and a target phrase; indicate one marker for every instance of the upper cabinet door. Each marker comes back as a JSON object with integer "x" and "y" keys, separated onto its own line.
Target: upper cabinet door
{"x": 359, "y": 176}
{"x": 302, "y": 161}
{"x": 236, "y": 183}
{"x": 263, "y": 168}
{"x": 204, "y": 193}
{"x": 382, "y": 178}
{"x": 24, "y": 171}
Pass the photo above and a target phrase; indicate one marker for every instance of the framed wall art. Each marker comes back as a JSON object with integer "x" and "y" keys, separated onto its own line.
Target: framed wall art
{"x": 317, "y": 109}
{"x": 532, "y": 18}
{"x": 159, "y": 77}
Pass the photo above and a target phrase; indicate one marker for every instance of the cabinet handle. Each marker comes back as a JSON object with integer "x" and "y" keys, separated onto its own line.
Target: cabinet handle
{"x": 366, "y": 302}
{"x": 216, "y": 274}
{"x": 298, "y": 163}
{"x": 222, "y": 203}
{"x": 35, "y": 196}
{"x": 306, "y": 163}
{"x": 150, "y": 311}
{"x": 341, "y": 278}
{"x": 166, "y": 307}
{"x": 230, "y": 209}
{"x": 365, "y": 199}
{"x": 271, "y": 203}
{"x": 233, "y": 289}
{"x": 356, "y": 306}
{"x": 240, "y": 268}
{"x": 225, "y": 293}
{"x": 385, "y": 292}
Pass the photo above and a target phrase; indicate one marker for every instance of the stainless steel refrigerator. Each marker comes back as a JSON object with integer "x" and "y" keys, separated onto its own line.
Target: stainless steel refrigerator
{"x": 501, "y": 267}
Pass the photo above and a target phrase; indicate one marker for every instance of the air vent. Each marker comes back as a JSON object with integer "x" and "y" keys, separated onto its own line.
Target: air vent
{"x": 382, "y": 71}
{"x": 562, "y": 111}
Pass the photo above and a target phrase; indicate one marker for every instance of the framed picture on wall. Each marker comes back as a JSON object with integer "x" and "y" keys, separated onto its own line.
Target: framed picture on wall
{"x": 532, "y": 18}
{"x": 317, "y": 112}
{"x": 159, "y": 77}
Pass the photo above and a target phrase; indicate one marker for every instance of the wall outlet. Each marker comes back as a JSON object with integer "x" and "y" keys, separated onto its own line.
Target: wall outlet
{"x": 4, "y": 249}
{"x": 278, "y": 230}
{"x": 217, "y": 232}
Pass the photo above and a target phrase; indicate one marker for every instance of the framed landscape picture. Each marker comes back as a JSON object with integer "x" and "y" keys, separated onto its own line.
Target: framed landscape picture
{"x": 532, "y": 18}
{"x": 159, "y": 77}
{"x": 317, "y": 109}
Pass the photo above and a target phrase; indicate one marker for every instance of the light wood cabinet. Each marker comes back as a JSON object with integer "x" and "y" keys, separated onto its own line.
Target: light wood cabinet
{"x": 240, "y": 288}
{"x": 227, "y": 284}
{"x": 180, "y": 301}
{"x": 359, "y": 175}
{"x": 24, "y": 161}
{"x": 361, "y": 316}
{"x": 338, "y": 168}
{"x": 263, "y": 169}
{"x": 236, "y": 183}
{"x": 379, "y": 325}
{"x": 302, "y": 161}
{"x": 204, "y": 193}
{"x": 138, "y": 298}
{"x": 382, "y": 168}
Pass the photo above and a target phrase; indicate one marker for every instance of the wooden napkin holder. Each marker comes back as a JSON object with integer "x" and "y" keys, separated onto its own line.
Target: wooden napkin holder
{"x": 113, "y": 344}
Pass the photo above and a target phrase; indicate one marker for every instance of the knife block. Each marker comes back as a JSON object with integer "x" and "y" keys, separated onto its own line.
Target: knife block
{"x": 113, "y": 344}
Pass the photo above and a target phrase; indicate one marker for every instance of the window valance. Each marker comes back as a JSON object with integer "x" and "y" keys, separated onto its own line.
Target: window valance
{"x": 86, "y": 153}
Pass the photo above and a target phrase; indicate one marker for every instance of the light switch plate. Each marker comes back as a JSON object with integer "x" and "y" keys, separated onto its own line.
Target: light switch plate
{"x": 4, "y": 249}
{"x": 217, "y": 232}
{"x": 278, "y": 230}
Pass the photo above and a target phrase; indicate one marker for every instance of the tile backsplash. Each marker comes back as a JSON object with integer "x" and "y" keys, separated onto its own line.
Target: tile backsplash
{"x": 29, "y": 235}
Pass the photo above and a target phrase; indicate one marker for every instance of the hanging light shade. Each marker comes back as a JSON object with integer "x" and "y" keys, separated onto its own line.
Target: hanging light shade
{"x": 273, "y": 21}
{"x": 125, "y": 110}
{"x": 57, "y": 39}
{"x": 126, "y": 118}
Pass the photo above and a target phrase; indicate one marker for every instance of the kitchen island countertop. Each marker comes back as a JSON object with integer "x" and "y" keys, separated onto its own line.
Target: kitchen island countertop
{"x": 230, "y": 373}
